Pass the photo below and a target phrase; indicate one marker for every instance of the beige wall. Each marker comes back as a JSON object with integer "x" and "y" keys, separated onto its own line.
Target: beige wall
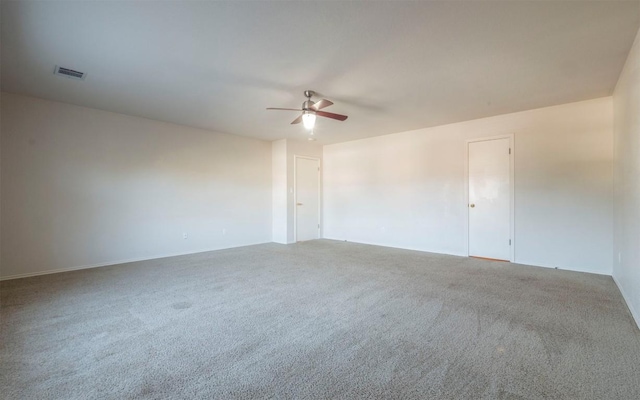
{"x": 280, "y": 185}
{"x": 408, "y": 189}
{"x": 83, "y": 187}
{"x": 626, "y": 106}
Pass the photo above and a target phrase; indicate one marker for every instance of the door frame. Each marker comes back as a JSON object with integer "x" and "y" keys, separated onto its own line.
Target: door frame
{"x": 295, "y": 195}
{"x": 511, "y": 137}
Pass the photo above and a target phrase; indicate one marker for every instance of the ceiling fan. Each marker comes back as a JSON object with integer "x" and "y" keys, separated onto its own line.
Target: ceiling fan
{"x": 311, "y": 109}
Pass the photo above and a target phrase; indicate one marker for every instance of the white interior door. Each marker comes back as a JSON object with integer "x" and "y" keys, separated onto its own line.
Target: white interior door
{"x": 307, "y": 199}
{"x": 490, "y": 199}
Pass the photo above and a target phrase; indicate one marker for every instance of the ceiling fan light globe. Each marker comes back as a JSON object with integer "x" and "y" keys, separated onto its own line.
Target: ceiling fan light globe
{"x": 308, "y": 120}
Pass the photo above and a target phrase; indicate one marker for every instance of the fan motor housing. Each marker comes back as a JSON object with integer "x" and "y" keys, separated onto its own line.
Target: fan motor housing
{"x": 307, "y": 105}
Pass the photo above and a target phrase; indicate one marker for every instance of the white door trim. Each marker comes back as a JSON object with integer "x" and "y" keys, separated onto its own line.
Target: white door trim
{"x": 511, "y": 138}
{"x": 295, "y": 195}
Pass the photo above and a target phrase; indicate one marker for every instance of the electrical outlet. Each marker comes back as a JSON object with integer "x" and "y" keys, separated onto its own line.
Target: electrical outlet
{"x": 224, "y": 231}
{"x": 184, "y": 235}
{"x": 619, "y": 257}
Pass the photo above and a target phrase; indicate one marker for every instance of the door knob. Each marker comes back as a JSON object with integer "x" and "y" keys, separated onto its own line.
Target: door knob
{"x": 298, "y": 204}
{"x": 472, "y": 205}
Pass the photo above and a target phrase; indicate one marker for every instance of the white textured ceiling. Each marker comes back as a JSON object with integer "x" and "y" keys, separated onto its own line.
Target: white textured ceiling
{"x": 390, "y": 66}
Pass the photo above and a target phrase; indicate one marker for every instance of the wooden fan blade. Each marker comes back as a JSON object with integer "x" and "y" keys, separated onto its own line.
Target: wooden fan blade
{"x": 286, "y": 109}
{"x": 331, "y": 115}
{"x": 321, "y": 104}
{"x": 297, "y": 120}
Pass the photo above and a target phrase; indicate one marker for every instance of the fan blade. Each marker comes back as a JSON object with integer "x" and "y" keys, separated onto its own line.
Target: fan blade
{"x": 297, "y": 120}
{"x": 286, "y": 109}
{"x": 331, "y": 115}
{"x": 321, "y": 104}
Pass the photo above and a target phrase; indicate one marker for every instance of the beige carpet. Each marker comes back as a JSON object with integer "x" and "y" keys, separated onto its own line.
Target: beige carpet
{"x": 317, "y": 320}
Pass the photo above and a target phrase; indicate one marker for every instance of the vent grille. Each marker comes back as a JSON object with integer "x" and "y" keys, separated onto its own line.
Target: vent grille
{"x": 69, "y": 73}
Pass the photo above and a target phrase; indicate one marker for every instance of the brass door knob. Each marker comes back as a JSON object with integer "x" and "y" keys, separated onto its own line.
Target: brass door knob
{"x": 472, "y": 205}
{"x": 298, "y": 204}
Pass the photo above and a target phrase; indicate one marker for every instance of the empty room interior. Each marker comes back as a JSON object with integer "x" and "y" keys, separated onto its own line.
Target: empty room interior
{"x": 320, "y": 199}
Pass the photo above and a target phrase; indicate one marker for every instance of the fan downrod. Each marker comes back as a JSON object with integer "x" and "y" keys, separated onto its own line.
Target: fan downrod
{"x": 306, "y": 105}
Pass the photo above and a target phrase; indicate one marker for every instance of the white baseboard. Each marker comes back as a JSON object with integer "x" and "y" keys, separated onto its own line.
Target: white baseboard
{"x": 627, "y": 299}
{"x": 398, "y": 247}
{"x": 106, "y": 264}
{"x": 635, "y": 314}
{"x": 584, "y": 270}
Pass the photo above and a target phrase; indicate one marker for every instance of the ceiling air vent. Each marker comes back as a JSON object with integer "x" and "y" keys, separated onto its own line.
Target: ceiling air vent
{"x": 69, "y": 73}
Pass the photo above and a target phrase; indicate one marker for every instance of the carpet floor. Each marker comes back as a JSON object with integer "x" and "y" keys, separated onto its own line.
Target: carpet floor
{"x": 316, "y": 320}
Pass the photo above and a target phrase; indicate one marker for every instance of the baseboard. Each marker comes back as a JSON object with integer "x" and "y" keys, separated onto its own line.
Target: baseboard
{"x": 586, "y": 271}
{"x": 398, "y": 247}
{"x": 109, "y": 263}
{"x": 627, "y": 299}
{"x": 533, "y": 264}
